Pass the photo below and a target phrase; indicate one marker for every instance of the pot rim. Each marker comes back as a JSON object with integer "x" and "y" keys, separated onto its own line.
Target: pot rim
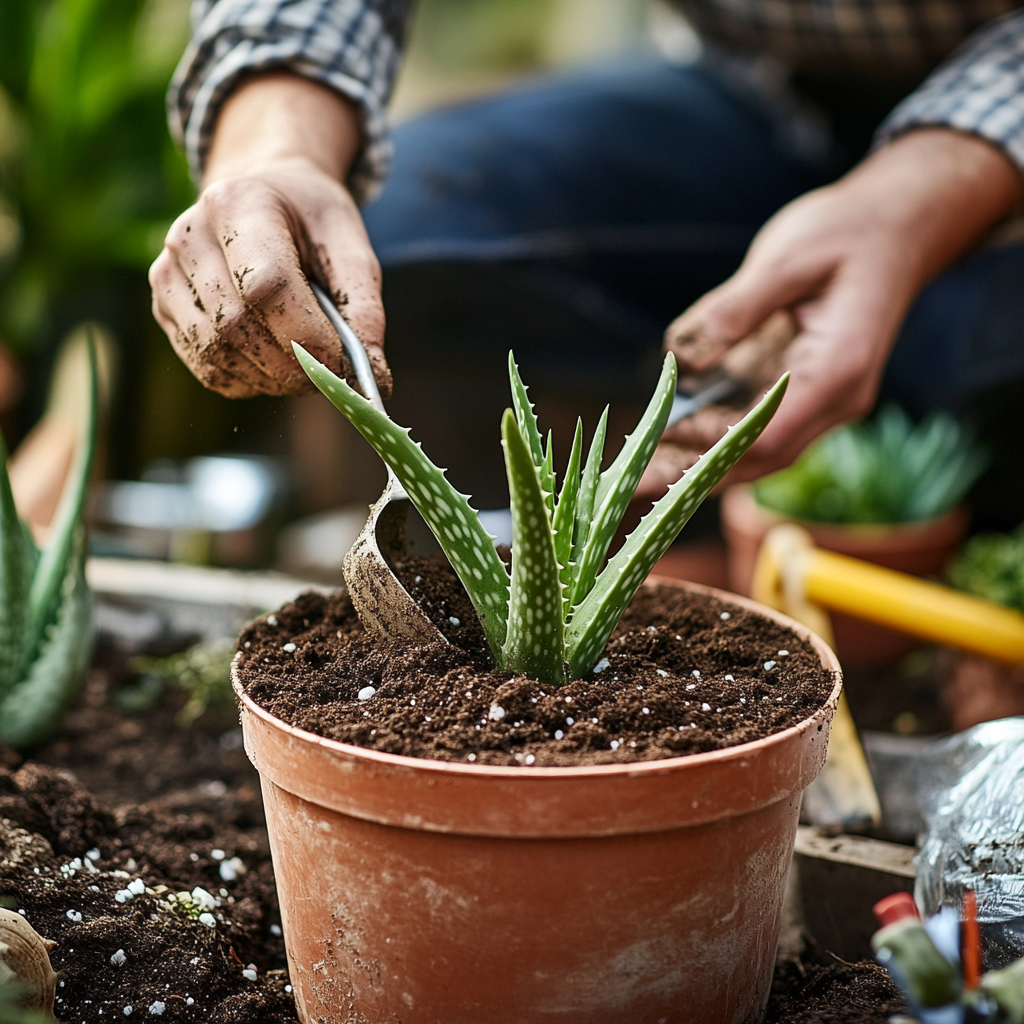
{"x": 629, "y": 768}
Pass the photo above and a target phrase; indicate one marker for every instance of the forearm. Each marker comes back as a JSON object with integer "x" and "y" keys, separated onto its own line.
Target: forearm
{"x": 281, "y": 116}
{"x": 937, "y": 189}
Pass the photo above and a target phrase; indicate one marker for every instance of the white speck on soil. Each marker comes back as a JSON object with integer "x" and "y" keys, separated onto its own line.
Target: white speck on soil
{"x": 661, "y": 672}
{"x": 454, "y": 620}
{"x": 529, "y": 759}
{"x": 559, "y": 734}
{"x": 695, "y": 673}
{"x": 208, "y": 919}
{"x": 783, "y": 654}
{"x": 366, "y": 692}
{"x": 691, "y": 686}
{"x": 471, "y": 757}
{"x": 232, "y": 869}
{"x": 249, "y": 975}
{"x": 496, "y": 713}
{"x": 705, "y": 707}
{"x": 275, "y": 929}
{"x": 645, "y": 711}
{"x": 769, "y": 665}
{"x": 74, "y": 915}
{"x": 118, "y": 959}
{"x": 288, "y": 647}
{"x": 725, "y": 616}
{"x": 601, "y": 666}
{"x": 570, "y": 721}
{"x": 157, "y": 1008}
{"x": 729, "y": 679}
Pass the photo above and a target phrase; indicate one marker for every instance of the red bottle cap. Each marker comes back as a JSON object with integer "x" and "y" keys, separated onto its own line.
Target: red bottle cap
{"x": 897, "y": 907}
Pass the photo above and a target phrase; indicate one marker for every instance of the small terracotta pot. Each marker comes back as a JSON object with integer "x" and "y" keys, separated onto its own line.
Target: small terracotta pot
{"x": 921, "y": 549}
{"x": 428, "y": 892}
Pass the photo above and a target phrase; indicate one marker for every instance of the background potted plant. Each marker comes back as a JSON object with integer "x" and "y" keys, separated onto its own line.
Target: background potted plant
{"x": 976, "y": 689}
{"x": 885, "y": 491}
{"x": 423, "y": 890}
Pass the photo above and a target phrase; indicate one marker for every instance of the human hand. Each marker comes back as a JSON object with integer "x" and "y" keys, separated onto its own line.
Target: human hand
{"x": 230, "y": 288}
{"x": 845, "y": 262}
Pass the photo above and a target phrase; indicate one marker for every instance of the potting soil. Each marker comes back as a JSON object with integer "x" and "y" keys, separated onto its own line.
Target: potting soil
{"x": 682, "y": 674}
{"x": 161, "y": 803}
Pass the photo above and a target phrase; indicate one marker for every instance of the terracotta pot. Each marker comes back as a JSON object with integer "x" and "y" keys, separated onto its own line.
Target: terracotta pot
{"x": 922, "y": 549}
{"x": 428, "y": 892}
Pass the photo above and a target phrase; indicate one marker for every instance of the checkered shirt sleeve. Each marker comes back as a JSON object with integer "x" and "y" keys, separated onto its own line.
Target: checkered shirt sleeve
{"x": 979, "y": 89}
{"x": 354, "y": 46}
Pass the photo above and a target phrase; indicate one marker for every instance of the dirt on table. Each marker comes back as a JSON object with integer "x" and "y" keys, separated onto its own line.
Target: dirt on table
{"x": 682, "y": 674}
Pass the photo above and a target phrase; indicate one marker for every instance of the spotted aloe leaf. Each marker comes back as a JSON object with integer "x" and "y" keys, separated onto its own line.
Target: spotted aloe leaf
{"x": 527, "y": 419}
{"x": 564, "y": 521}
{"x": 593, "y": 620}
{"x": 619, "y": 480}
{"x": 588, "y": 492}
{"x": 536, "y": 618}
{"x": 447, "y": 512}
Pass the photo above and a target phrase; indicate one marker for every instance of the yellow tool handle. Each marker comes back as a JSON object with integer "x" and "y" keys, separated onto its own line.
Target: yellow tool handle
{"x": 914, "y": 606}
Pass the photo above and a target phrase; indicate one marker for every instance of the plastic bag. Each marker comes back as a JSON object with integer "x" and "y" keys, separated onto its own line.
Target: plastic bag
{"x": 974, "y": 838}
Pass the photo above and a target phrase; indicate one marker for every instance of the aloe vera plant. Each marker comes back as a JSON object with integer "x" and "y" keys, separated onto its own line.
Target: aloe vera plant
{"x": 45, "y": 610}
{"x": 553, "y": 615}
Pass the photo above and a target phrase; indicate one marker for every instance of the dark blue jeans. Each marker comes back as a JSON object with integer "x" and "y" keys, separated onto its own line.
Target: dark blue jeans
{"x": 572, "y": 219}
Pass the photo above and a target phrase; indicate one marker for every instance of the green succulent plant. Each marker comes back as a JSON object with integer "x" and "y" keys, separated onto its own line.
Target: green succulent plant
{"x": 553, "y": 615}
{"x": 992, "y": 566}
{"x": 45, "y": 609}
{"x": 886, "y": 470}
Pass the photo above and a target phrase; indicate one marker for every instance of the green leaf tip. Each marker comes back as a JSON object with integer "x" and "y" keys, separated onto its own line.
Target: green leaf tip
{"x": 553, "y": 617}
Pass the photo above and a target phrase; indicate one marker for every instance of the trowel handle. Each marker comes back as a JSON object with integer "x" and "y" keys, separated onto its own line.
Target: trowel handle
{"x": 353, "y": 347}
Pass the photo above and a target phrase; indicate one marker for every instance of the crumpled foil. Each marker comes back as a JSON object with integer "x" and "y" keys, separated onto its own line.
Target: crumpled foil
{"x": 974, "y": 837}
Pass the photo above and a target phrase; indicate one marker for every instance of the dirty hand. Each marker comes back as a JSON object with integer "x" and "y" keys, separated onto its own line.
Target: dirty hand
{"x": 842, "y": 265}
{"x": 230, "y": 287}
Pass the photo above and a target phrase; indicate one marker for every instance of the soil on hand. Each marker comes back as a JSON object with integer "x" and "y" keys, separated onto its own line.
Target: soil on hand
{"x": 682, "y": 674}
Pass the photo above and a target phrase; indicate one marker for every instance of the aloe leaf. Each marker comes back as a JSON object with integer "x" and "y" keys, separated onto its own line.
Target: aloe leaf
{"x": 33, "y": 709}
{"x": 448, "y": 513}
{"x": 535, "y": 616}
{"x": 588, "y": 493}
{"x": 619, "y": 480}
{"x": 564, "y": 522}
{"x": 52, "y": 567}
{"x": 547, "y": 474}
{"x": 595, "y": 619}
{"x": 527, "y": 420}
{"x": 16, "y": 564}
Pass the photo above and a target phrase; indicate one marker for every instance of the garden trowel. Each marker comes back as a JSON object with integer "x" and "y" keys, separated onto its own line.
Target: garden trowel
{"x": 384, "y": 606}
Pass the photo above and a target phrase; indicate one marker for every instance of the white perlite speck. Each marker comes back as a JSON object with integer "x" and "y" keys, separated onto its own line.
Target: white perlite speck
{"x": 645, "y": 711}
{"x": 288, "y": 647}
{"x": 74, "y": 915}
{"x": 725, "y": 616}
{"x": 136, "y": 887}
{"x": 691, "y": 686}
{"x": 157, "y": 1008}
{"x": 119, "y": 959}
{"x": 782, "y": 654}
{"x": 249, "y": 974}
{"x": 233, "y": 869}
{"x": 529, "y": 759}
{"x": 271, "y": 620}
{"x": 127, "y": 1011}
{"x": 496, "y": 713}
{"x": 615, "y": 744}
{"x": 729, "y": 679}
{"x": 454, "y": 620}
{"x": 705, "y": 707}
{"x": 695, "y": 673}
{"x": 769, "y": 665}
{"x": 366, "y": 692}
{"x": 601, "y": 666}
{"x": 559, "y": 734}
{"x": 570, "y": 721}
{"x": 218, "y": 854}
{"x": 208, "y": 919}
{"x": 275, "y": 929}
{"x": 661, "y": 672}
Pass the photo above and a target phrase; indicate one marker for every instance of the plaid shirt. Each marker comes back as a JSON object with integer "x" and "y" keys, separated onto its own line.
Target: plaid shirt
{"x": 971, "y": 50}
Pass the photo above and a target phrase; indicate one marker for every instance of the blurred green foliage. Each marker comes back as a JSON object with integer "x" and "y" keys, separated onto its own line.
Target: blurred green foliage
{"x": 203, "y": 673}
{"x": 992, "y": 566}
{"x": 89, "y": 177}
{"x": 11, "y": 992}
{"x": 882, "y": 471}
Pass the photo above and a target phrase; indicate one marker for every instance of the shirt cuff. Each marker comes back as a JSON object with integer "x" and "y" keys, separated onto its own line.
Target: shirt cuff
{"x": 979, "y": 90}
{"x": 347, "y": 45}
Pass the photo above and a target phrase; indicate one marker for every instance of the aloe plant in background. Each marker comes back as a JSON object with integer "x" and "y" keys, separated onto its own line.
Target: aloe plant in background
{"x": 882, "y": 471}
{"x": 45, "y": 609}
{"x": 552, "y": 617}
{"x": 992, "y": 566}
